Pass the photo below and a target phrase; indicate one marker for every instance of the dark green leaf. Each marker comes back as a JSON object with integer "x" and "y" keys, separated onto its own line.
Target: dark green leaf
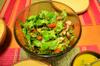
{"x": 36, "y": 43}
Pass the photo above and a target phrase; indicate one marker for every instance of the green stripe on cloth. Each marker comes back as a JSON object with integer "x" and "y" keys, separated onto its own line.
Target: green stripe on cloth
{"x": 1, "y": 4}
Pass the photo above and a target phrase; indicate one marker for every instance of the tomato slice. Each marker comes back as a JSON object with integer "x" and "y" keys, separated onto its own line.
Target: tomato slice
{"x": 53, "y": 25}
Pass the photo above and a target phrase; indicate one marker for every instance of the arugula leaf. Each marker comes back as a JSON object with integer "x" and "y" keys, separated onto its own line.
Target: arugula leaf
{"x": 28, "y": 37}
{"x": 32, "y": 17}
{"x": 40, "y": 22}
{"x": 61, "y": 46}
{"x": 59, "y": 26}
{"x": 29, "y": 24}
{"x": 72, "y": 37}
{"x": 24, "y": 30}
{"x": 36, "y": 43}
{"x": 44, "y": 46}
{"x": 48, "y": 34}
{"x": 64, "y": 15}
{"x": 22, "y": 24}
{"x": 53, "y": 45}
{"x": 43, "y": 14}
{"x": 52, "y": 17}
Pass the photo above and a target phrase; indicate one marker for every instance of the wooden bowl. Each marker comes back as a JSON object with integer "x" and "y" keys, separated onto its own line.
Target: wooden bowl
{"x": 2, "y": 31}
{"x": 34, "y": 9}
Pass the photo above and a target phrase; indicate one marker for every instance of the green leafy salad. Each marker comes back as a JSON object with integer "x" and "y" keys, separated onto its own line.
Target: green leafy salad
{"x": 48, "y": 32}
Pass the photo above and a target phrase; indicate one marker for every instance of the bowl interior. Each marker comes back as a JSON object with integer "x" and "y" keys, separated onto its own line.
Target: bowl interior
{"x": 34, "y": 9}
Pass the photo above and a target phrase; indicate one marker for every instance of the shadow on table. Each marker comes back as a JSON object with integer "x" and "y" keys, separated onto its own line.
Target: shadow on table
{"x": 7, "y": 41}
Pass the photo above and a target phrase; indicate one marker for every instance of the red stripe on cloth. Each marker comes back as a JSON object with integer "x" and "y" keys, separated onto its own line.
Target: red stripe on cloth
{"x": 91, "y": 48}
{"x": 17, "y": 9}
{"x": 4, "y": 8}
{"x": 86, "y": 18}
{"x": 97, "y": 4}
{"x": 25, "y": 13}
{"x": 21, "y": 6}
{"x": 9, "y": 10}
{"x": 28, "y": 3}
{"x": 81, "y": 19}
{"x": 2, "y": 5}
{"x": 6, "y": 58}
{"x": 95, "y": 11}
{"x": 18, "y": 56}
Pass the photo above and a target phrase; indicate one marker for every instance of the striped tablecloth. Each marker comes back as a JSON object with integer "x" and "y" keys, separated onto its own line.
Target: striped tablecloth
{"x": 11, "y": 52}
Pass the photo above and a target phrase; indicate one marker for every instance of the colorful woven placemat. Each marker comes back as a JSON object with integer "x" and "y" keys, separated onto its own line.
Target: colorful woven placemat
{"x": 12, "y": 53}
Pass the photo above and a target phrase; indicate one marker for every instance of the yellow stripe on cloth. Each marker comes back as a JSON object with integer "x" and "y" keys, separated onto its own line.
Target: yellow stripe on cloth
{"x": 4, "y": 9}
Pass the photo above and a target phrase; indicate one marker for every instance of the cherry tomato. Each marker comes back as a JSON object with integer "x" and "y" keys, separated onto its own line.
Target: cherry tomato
{"x": 39, "y": 37}
{"x": 53, "y": 25}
